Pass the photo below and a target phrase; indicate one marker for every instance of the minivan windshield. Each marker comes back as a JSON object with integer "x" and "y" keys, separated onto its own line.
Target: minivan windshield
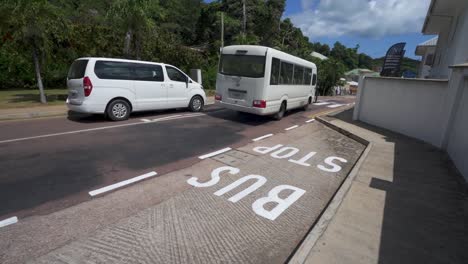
{"x": 77, "y": 70}
{"x": 242, "y": 65}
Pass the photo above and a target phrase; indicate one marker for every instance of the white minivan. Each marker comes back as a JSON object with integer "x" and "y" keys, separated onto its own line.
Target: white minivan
{"x": 264, "y": 81}
{"x": 117, "y": 87}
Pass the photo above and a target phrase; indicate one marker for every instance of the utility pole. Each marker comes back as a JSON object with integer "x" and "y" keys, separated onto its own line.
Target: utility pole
{"x": 222, "y": 30}
{"x": 244, "y": 19}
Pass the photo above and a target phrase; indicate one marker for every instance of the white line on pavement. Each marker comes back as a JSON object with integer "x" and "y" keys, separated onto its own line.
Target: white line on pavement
{"x": 9, "y": 221}
{"x": 311, "y": 120}
{"x": 214, "y": 153}
{"x": 293, "y": 127}
{"x": 145, "y": 120}
{"x": 321, "y": 103}
{"x": 262, "y": 137}
{"x": 99, "y": 128}
{"x": 335, "y": 105}
{"x": 122, "y": 183}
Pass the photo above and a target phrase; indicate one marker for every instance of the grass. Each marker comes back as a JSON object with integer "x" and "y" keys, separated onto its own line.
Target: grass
{"x": 30, "y": 98}
{"x": 210, "y": 92}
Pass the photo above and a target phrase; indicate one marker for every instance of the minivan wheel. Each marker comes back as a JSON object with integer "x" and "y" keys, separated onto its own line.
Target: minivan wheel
{"x": 196, "y": 104}
{"x": 118, "y": 110}
{"x": 282, "y": 111}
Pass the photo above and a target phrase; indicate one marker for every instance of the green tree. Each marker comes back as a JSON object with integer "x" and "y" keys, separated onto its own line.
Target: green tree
{"x": 133, "y": 17}
{"x": 35, "y": 27}
{"x": 329, "y": 73}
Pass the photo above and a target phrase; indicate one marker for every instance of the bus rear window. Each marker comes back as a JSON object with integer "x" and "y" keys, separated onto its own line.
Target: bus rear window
{"x": 242, "y": 65}
{"x": 77, "y": 70}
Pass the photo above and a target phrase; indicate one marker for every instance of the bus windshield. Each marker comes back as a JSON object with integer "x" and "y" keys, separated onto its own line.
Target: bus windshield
{"x": 242, "y": 65}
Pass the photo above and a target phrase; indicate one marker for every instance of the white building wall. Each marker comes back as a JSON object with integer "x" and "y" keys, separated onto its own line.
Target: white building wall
{"x": 452, "y": 46}
{"x": 413, "y": 107}
{"x": 458, "y": 136}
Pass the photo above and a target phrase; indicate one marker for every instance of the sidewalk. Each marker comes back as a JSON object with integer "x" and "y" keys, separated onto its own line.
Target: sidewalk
{"x": 33, "y": 112}
{"x": 407, "y": 204}
{"x": 46, "y": 111}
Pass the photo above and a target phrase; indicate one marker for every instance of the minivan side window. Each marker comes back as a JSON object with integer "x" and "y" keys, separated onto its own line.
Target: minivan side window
{"x": 175, "y": 75}
{"x": 113, "y": 70}
{"x": 77, "y": 69}
{"x": 147, "y": 72}
{"x": 275, "y": 70}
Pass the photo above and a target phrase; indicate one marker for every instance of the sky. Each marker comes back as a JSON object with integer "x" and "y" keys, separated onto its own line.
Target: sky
{"x": 373, "y": 24}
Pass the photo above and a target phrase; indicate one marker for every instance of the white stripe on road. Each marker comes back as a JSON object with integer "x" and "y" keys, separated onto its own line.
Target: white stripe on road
{"x": 293, "y": 127}
{"x": 321, "y": 103}
{"x": 164, "y": 118}
{"x": 311, "y": 120}
{"x": 262, "y": 137}
{"x": 214, "y": 153}
{"x": 9, "y": 221}
{"x": 99, "y": 128}
{"x": 335, "y": 105}
{"x": 122, "y": 183}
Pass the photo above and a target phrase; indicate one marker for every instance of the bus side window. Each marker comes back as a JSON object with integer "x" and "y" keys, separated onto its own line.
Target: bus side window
{"x": 314, "y": 80}
{"x": 275, "y": 71}
{"x": 287, "y": 70}
{"x": 308, "y": 76}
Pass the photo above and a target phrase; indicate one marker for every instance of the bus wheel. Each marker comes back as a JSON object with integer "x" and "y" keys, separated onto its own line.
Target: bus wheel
{"x": 306, "y": 106}
{"x": 282, "y": 111}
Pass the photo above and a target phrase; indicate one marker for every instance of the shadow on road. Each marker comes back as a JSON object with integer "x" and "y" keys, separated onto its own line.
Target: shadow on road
{"x": 99, "y": 118}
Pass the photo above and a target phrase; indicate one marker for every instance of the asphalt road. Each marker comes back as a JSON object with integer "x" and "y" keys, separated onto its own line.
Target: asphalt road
{"x": 50, "y": 164}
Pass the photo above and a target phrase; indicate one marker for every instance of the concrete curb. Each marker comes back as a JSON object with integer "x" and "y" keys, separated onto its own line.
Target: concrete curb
{"x": 307, "y": 244}
{"x": 31, "y": 115}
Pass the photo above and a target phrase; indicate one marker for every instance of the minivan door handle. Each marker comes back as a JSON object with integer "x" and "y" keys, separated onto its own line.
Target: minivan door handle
{"x": 171, "y": 86}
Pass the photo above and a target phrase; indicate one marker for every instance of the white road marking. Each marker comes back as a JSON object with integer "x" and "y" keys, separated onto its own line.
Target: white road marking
{"x": 311, "y": 120}
{"x": 145, "y": 120}
{"x": 214, "y": 153}
{"x": 321, "y": 103}
{"x": 9, "y": 221}
{"x": 122, "y": 183}
{"x": 100, "y": 128}
{"x": 293, "y": 127}
{"x": 335, "y": 105}
{"x": 262, "y": 137}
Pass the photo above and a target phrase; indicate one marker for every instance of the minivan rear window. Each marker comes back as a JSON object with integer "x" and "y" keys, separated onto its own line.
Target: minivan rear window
{"x": 77, "y": 69}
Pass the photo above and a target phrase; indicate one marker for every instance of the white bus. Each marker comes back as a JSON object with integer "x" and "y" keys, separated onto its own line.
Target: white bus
{"x": 264, "y": 81}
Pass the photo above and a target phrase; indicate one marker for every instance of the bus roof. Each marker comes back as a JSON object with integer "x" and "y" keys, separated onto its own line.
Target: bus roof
{"x": 262, "y": 50}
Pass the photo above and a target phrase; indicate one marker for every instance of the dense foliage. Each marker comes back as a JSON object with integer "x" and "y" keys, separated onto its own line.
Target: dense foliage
{"x": 186, "y": 33}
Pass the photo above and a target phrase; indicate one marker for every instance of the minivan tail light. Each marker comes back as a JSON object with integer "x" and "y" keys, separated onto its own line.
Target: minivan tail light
{"x": 87, "y": 85}
{"x": 259, "y": 103}
{"x": 218, "y": 97}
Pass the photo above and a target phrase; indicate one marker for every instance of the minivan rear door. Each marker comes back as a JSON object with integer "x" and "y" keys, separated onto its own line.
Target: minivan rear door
{"x": 75, "y": 82}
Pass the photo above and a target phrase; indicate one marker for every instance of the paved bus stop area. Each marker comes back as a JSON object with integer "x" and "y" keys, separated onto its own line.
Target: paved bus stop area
{"x": 252, "y": 204}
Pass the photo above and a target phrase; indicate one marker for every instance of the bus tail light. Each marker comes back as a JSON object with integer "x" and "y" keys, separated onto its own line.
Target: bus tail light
{"x": 259, "y": 103}
{"x": 218, "y": 97}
